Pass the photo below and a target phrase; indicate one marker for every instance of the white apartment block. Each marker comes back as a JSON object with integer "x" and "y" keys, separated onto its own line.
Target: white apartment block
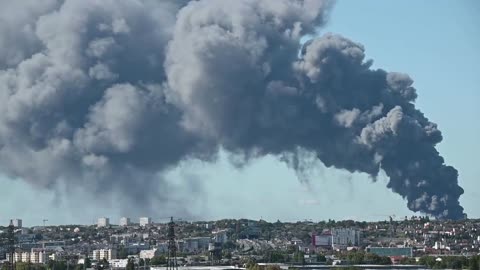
{"x": 25, "y": 257}
{"x": 38, "y": 257}
{"x": 196, "y": 244}
{"x": 144, "y": 221}
{"x": 125, "y": 221}
{"x": 220, "y": 236}
{"x": 35, "y": 257}
{"x": 107, "y": 254}
{"x": 17, "y": 223}
{"x": 103, "y": 222}
{"x": 17, "y": 257}
{"x": 343, "y": 238}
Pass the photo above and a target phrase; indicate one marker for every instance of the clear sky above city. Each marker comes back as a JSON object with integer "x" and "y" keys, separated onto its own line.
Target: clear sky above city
{"x": 435, "y": 42}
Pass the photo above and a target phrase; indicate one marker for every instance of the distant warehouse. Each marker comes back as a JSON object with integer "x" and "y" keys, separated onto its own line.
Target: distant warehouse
{"x": 391, "y": 251}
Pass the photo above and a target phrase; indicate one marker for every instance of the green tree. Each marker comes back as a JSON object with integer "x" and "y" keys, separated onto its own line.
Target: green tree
{"x": 427, "y": 261}
{"x": 229, "y": 245}
{"x": 356, "y": 257}
{"x": 407, "y": 260}
{"x": 103, "y": 264}
{"x": 276, "y": 257}
{"x": 299, "y": 257}
{"x": 453, "y": 262}
{"x": 474, "y": 263}
{"x": 130, "y": 265}
{"x": 122, "y": 253}
{"x": 273, "y": 267}
{"x": 371, "y": 258}
{"x": 56, "y": 265}
{"x": 227, "y": 254}
{"x": 158, "y": 260}
{"x": 88, "y": 263}
{"x": 22, "y": 266}
{"x": 384, "y": 260}
{"x": 440, "y": 264}
{"x": 250, "y": 263}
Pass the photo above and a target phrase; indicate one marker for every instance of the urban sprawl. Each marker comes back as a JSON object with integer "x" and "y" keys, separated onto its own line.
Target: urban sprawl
{"x": 406, "y": 243}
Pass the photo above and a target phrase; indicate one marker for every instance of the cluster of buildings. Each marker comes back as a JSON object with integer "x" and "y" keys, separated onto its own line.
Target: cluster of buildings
{"x": 104, "y": 222}
{"x": 33, "y": 256}
{"x": 239, "y": 240}
{"x": 337, "y": 238}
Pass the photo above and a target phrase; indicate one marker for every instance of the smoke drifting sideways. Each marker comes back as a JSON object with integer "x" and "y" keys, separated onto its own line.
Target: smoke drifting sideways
{"x": 111, "y": 95}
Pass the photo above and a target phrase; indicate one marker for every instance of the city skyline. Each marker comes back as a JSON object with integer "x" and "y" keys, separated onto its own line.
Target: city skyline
{"x": 439, "y": 54}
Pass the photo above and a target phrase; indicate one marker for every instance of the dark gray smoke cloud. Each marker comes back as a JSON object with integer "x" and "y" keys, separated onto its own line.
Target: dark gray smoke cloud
{"x": 112, "y": 94}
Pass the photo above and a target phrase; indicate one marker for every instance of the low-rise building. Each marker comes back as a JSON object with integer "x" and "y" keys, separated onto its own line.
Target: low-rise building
{"x": 149, "y": 254}
{"x": 134, "y": 248}
{"x": 118, "y": 263}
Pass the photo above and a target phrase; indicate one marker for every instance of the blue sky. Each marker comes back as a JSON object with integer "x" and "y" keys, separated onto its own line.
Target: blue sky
{"x": 435, "y": 42}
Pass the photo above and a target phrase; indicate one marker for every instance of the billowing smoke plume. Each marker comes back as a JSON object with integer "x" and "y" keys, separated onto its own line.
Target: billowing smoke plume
{"x": 115, "y": 93}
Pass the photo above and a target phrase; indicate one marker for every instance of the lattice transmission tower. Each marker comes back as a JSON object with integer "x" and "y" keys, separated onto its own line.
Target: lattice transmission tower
{"x": 172, "y": 247}
{"x": 11, "y": 245}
